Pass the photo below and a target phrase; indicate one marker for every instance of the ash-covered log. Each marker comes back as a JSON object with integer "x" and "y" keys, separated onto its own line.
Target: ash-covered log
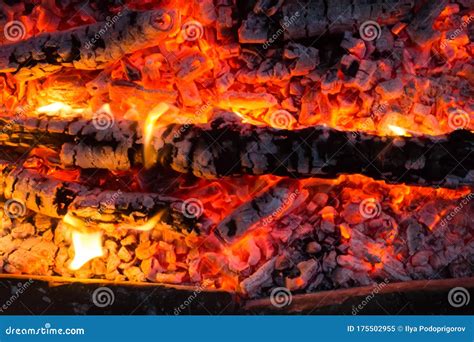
{"x": 88, "y": 47}
{"x": 227, "y": 147}
{"x": 309, "y": 18}
{"x": 56, "y": 198}
{"x": 267, "y": 205}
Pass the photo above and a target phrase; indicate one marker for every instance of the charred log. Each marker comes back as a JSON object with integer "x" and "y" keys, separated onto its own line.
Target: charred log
{"x": 314, "y": 18}
{"x": 266, "y": 206}
{"x": 226, "y": 147}
{"x": 87, "y": 47}
{"x": 56, "y": 198}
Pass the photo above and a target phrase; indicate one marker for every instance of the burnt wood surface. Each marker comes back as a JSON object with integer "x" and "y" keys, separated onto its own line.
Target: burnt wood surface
{"x": 271, "y": 201}
{"x": 56, "y": 198}
{"x": 312, "y": 19}
{"x": 72, "y": 297}
{"x": 87, "y": 47}
{"x": 226, "y": 147}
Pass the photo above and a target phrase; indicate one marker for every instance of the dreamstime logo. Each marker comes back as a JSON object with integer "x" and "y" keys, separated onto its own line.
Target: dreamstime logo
{"x": 14, "y": 208}
{"x": 281, "y": 297}
{"x": 370, "y": 30}
{"x": 287, "y": 23}
{"x": 109, "y": 23}
{"x": 464, "y": 202}
{"x": 369, "y": 297}
{"x": 282, "y": 119}
{"x": 458, "y": 119}
{"x": 454, "y": 34}
{"x": 21, "y": 289}
{"x": 370, "y": 208}
{"x": 192, "y": 30}
{"x": 103, "y": 120}
{"x": 192, "y": 208}
{"x": 458, "y": 297}
{"x": 14, "y": 31}
{"x": 102, "y": 297}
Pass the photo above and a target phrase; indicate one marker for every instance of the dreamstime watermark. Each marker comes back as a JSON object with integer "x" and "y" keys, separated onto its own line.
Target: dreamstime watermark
{"x": 192, "y": 30}
{"x": 281, "y": 297}
{"x": 286, "y": 202}
{"x": 46, "y": 330}
{"x": 287, "y": 23}
{"x": 282, "y": 119}
{"x": 188, "y": 122}
{"x": 458, "y": 119}
{"x": 179, "y": 309}
{"x": 103, "y": 119}
{"x": 464, "y": 202}
{"x": 370, "y": 30}
{"x": 14, "y": 208}
{"x": 21, "y": 289}
{"x": 370, "y": 208}
{"x": 18, "y": 116}
{"x": 14, "y": 31}
{"x": 103, "y": 30}
{"x": 368, "y": 122}
{"x": 453, "y": 35}
{"x": 103, "y": 205}
{"x": 369, "y": 297}
{"x": 458, "y": 296}
{"x": 192, "y": 208}
{"x": 102, "y": 297}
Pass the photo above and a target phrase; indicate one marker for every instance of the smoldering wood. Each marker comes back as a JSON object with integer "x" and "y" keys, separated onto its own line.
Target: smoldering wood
{"x": 421, "y": 29}
{"x": 87, "y": 47}
{"x": 56, "y": 198}
{"x": 226, "y": 147}
{"x": 307, "y": 19}
{"x": 229, "y": 148}
{"x": 271, "y": 201}
{"x": 73, "y": 296}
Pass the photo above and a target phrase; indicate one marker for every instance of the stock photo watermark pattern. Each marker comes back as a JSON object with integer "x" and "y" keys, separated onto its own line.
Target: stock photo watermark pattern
{"x": 103, "y": 297}
{"x": 282, "y": 157}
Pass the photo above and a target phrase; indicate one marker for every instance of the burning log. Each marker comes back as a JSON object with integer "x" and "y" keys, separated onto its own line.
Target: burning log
{"x": 272, "y": 202}
{"x": 87, "y": 47}
{"x": 226, "y": 147}
{"x": 314, "y": 18}
{"x": 56, "y": 198}
{"x": 421, "y": 29}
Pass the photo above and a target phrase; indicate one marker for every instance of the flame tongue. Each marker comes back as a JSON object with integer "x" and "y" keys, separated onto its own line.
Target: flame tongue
{"x": 87, "y": 246}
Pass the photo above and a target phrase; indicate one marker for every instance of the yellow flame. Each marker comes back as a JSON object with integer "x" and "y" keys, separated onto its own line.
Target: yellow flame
{"x": 148, "y": 150}
{"x": 87, "y": 245}
{"x": 398, "y": 130}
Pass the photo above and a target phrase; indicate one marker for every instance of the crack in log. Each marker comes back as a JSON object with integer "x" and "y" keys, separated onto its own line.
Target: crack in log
{"x": 226, "y": 147}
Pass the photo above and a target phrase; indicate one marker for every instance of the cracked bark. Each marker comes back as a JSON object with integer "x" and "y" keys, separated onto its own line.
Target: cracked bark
{"x": 56, "y": 198}
{"x": 87, "y": 47}
{"x": 227, "y": 147}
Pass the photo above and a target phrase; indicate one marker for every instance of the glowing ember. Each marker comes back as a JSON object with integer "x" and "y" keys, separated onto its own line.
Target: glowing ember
{"x": 398, "y": 130}
{"x": 355, "y": 228}
{"x": 58, "y": 108}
